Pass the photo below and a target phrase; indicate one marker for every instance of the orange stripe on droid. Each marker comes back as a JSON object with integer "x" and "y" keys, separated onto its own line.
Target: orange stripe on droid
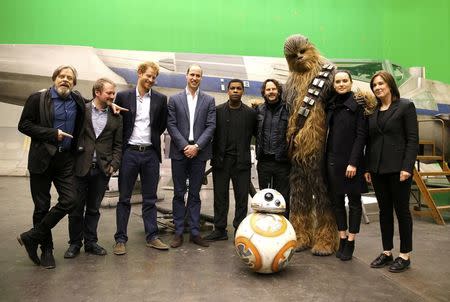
{"x": 276, "y": 227}
{"x": 281, "y": 260}
{"x": 248, "y": 253}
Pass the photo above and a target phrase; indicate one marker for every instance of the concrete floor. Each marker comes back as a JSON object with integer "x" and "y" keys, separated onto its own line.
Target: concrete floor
{"x": 191, "y": 273}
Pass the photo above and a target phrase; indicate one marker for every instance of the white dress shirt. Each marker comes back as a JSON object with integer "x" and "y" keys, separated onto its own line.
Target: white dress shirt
{"x": 192, "y": 103}
{"x": 141, "y": 130}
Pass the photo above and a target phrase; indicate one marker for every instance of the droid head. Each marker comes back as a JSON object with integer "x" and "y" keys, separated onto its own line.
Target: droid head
{"x": 268, "y": 201}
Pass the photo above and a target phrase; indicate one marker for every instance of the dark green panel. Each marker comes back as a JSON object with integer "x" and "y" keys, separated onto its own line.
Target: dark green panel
{"x": 411, "y": 33}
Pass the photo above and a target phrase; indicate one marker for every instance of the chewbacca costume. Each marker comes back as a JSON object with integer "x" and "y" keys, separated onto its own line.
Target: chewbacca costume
{"x": 307, "y": 90}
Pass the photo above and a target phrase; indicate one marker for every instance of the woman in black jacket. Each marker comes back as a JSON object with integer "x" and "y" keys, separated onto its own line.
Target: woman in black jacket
{"x": 391, "y": 153}
{"x": 347, "y": 134}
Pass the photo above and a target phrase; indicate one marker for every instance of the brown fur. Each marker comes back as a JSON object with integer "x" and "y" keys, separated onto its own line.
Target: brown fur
{"x": 311, "y": 214}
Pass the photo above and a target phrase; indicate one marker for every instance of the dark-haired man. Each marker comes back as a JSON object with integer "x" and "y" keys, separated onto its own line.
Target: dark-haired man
{"x": 235, "y": 126}
{"x": 271, "y": 146}
{"x": 100, "y": 151}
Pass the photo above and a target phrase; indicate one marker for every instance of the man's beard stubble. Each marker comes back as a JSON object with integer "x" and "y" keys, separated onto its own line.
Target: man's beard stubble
{"x": 63, "y": 92}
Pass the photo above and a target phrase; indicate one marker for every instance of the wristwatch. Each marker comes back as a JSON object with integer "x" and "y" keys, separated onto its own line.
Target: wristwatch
{"x": 197, "y": 146}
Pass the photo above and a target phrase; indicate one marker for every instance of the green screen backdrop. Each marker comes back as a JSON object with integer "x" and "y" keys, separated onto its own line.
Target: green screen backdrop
{"x": 407, "y": 32}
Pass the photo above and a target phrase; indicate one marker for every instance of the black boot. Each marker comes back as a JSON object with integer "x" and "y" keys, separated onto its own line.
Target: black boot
{"x": 342, "y": 242}
{"x": 347, "y": 254}
{"x": 47, "y": 259}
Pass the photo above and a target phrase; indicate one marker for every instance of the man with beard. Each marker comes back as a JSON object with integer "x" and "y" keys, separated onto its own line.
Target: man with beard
{"x": 53, "y": 119}
{"x": 271, "y": 145}
{"x": 235, "y": 126}
{"x": 143, "y": 125}
{"x": 101, "y": 142}
{"x": 191, "y": 123}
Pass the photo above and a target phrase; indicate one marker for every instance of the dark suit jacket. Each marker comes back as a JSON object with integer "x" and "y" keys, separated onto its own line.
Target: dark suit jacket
{"x": 108, "y": 145}
{"x": 347, "y": 137}
{"x": 243, "y": 160}
{"x": 158, "y": 116}
{"x": 178, "y": 124}
{"x": 36, "y": 121}
{"x": 393, "y": 148}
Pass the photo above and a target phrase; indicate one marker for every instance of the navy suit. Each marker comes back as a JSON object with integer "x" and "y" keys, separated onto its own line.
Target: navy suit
{"x": 184, "y": 168}
{"x": 145, "y": 162}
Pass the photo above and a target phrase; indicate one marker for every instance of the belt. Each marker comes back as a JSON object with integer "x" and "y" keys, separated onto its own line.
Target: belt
{"x": 94, "y": 165}
{"x": 60, "y": 149}
{"x": 140, "y": 148}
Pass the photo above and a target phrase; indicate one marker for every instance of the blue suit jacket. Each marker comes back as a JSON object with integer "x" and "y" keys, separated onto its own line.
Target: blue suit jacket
{"x": 178, "y": 124}
{"x": 158, "y": 116}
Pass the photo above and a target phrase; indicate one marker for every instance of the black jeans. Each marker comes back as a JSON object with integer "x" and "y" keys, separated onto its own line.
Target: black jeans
{"x": 393, "y": 194}
{"x": 354, "y": 212}
{"x": 241, "y": 188}
{"x": 60, "y": 173}
{"x": 83, "y": 221}
{"x": 275, "y": 174}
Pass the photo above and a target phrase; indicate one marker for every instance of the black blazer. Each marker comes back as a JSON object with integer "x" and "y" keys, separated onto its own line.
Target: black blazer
{"x": 158, "y": 116}
{"x": 393, "y": 148}
{"x": 108, "y": 145}
{"x": 36, "y": 121}
{"x": 245, "y": 136}
{"x": 347, "y": 136}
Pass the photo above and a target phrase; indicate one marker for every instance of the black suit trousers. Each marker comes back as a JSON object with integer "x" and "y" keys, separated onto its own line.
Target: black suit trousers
{"x": 60, "y": 173}
{"x": 83, "y": 221}
{"x": 275, "y": 175}
{"x": 393, "y": 194}
{"x": 241, "y": 187}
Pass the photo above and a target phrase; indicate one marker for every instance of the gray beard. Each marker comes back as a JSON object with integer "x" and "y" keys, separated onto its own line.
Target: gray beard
{"x": 63, "y": 92}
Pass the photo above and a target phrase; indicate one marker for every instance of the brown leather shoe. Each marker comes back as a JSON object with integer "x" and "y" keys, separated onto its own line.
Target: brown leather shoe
{"x": 157, "y": 244}
{"x": 119, "y": 248}
{"x": 177, "y": 241}
{"x": 198, "y": 240}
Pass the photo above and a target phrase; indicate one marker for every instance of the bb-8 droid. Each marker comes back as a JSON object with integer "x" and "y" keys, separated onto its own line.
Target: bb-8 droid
{"x": 265, "y": 240}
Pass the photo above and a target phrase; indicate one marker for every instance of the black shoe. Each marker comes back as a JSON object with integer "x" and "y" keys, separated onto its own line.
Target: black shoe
{"x": 47, "y": 259}
{"x": 198, "y": 240}
{"x": 30, "y": 245}
{"x": 72, "y": 251}
{"x": 341, "y": 247}
{"x": 217, "y": 235}
{"x": 382, "y": 261}
{"x": 399, "y": 265}
{"x": 347, "y": 254}
{"x": 95, "y": 249}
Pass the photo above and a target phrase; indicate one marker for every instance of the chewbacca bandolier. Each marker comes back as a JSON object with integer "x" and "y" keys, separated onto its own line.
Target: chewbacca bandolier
{"x": 308, "y": 88}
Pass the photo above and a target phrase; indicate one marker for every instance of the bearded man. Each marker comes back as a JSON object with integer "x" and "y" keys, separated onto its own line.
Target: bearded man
{"x": 53, "y": 119}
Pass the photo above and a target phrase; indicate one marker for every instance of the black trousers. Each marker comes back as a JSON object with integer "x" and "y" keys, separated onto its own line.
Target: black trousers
{"x": 60, "y": 173}
{"x": 241, "y": 188}
{"x": 83, "y": 221}
{"x": 393, "y": 194}
{"x": 276, "y": 175}
{"x": 354, "y": 212}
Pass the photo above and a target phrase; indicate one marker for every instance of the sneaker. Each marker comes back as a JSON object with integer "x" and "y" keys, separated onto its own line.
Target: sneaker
{"x": 217, "y": 235}
{"x": 157, "y": 244}
{"x": 119, "y": 248}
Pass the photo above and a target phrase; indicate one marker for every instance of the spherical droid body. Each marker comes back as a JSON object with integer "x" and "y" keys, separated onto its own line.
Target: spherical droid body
{"x": 265, "y": 240}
